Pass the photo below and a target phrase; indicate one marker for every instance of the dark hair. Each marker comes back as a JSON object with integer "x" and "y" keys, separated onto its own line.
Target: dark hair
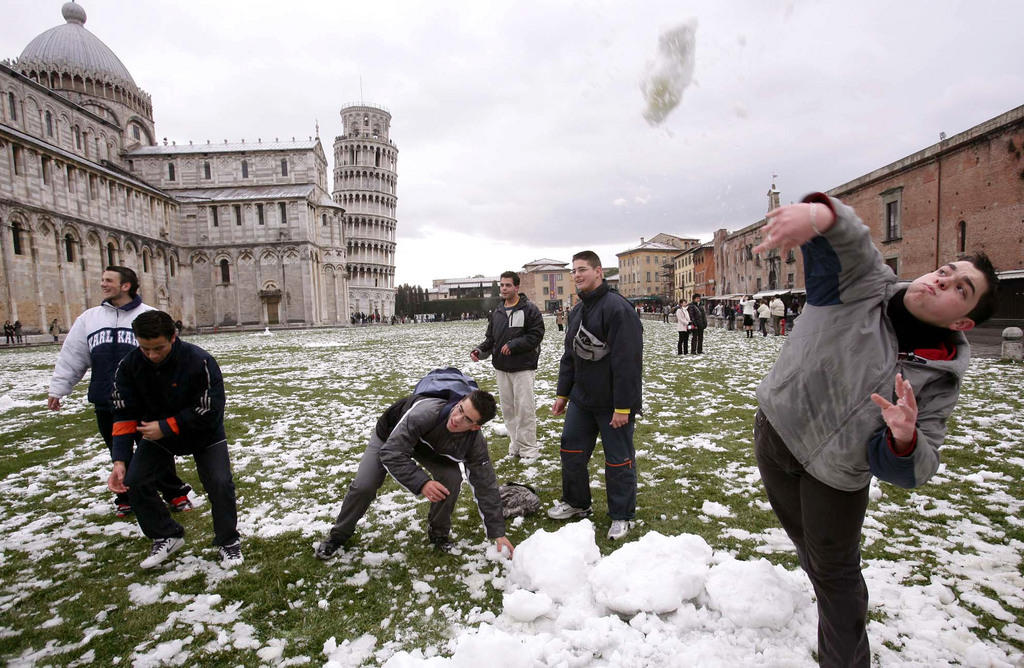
{"x": 127, "y": 276}
{"x": 153, "y": 325}
{"x": 513, "y": 275}
{"x": 484, "y": 404}
{"x": 986, "y": 305}
{"x": 590, "y": 257}
{"x": 696, "y": 295}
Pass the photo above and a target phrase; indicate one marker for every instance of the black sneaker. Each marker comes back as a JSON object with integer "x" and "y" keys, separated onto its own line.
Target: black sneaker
{"x": 326, "y": 550}
{"x": 231, "y": 555}
{"x": 442, "y": 543}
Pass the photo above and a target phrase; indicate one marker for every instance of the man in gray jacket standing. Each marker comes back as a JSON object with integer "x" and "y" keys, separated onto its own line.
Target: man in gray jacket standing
{"x": 417, "y": 433}
{"x": 863, "y": 387}
{"x": 513, "y": 338}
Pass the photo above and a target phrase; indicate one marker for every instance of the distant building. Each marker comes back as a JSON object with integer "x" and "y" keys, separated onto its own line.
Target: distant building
{"x": 548, "y": 284}
{"x": 646, "y": 272}
{"x": 740, "y": 271}
{"x": 693, "y": 271}
{"x": 457, "y": 288}
{"x": 365, "y": 184}
{"x": 221, "y": 235}
{"x": 962, "y": 194}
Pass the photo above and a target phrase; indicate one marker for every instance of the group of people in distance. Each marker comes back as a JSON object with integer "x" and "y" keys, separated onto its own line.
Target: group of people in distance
{"x": 862, "y": 388}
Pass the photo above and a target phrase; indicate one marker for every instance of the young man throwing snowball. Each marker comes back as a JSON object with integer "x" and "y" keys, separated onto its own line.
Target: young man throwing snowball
{"x": 863, "y": 387}
{"x": 171, "y": 393}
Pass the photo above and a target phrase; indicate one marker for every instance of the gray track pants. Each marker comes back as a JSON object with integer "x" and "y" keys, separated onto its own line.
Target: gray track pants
{"x": 370, "y": 476}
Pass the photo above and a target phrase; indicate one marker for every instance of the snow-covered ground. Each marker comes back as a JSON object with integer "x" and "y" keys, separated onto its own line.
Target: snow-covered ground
{"x": 300, "y": 405}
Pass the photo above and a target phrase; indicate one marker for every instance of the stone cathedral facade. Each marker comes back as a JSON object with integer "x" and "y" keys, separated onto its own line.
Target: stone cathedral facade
{"x": 222, "y": 236}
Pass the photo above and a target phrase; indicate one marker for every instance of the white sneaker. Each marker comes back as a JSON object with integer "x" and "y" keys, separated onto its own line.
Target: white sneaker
{"x": 563, "y": 511}
{"x": 231, "y": 555}
{"x": 162, "y": 548}
{"x": 619, "y": 529}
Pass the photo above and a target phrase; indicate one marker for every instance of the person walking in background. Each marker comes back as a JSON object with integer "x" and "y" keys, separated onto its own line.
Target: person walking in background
{"x": 54, "y": 330}
{"x": 764, "y": 312}
{"x": 683, "y": 326}
{"x": 514, "y": 332}
{"x": 698, "y": 322}
{"x": 18, "y": 338}
{"x": 99, "y": 339}
{"x": 778, "y": 309}
{"x": 863, "y": 388}
{"x": 560, "y": 318}
{"x": 599, "y": 391}
{"x": 8, "y": 332}
{"x": 749, "y": 307}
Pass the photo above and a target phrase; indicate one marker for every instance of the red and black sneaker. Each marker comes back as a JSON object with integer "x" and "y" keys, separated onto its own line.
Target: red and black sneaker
{"x": 180, "y": 504}
{"x": 122, "y": 509}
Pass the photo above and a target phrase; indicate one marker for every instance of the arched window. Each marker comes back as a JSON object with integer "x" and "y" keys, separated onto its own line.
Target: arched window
{"x": 78, "y": 136}
{"x": 69, "y": 247}
{"x": 145, "y": 262}
{"x": 135, "y": 132}
{"x": 961, "y": 236}
{"x": 245, "y": 169}
{"x": 49, "y": 124}
{"x": 170, "y": 171}
{"x": 16, "y": 237}
{"x": 225, "y": 272}
{"x": 173, "y": 264}
{"x": 284, "y": 167}
{"x": 324, "y": 218}
{"x": 11, "y": 105}
{"x": 111, "y": 260}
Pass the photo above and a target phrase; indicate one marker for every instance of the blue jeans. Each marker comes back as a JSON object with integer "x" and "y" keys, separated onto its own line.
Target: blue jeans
{"x": 579, "y": 438}
{"x": 151, "y": 462}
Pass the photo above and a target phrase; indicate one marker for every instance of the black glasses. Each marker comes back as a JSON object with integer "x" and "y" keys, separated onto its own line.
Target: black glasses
{"x": 460, "y": 415}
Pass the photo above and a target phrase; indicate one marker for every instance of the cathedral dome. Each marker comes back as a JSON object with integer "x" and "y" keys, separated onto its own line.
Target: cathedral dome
{"x": 72, "y": 48}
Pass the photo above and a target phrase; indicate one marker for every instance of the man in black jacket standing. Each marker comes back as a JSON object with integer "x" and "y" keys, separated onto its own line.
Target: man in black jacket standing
{"x": 513, "y": 337}
{"x": 172, "y": 394}
{"x": 699, "y": 320}
{"x": 599, "y": 388}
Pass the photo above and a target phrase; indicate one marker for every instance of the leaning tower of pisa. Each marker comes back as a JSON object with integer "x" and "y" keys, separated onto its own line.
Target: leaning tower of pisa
{"x": 365, "y": 178}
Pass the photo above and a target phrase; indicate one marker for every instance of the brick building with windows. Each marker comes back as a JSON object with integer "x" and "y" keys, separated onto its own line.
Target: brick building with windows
{"x": 647, "y": 271}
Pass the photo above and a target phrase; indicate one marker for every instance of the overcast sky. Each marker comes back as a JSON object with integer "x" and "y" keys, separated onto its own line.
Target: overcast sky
{"x": 520, "y": 127}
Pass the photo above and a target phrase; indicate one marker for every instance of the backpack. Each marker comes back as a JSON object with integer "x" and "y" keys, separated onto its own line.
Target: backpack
{"x": 448, "y": 383}
{"x": 518, "y": 499}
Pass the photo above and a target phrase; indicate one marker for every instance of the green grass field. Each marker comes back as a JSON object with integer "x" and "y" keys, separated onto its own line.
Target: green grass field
{"x": 300, "y": 407}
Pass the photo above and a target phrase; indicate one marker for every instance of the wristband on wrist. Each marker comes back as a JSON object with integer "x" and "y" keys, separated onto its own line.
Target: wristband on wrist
{"x": 814, "y": 214}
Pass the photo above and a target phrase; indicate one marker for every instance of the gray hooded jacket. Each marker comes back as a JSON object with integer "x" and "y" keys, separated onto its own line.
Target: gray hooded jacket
{"x": 424, "y": 428}
{"x": 818, "y": 394}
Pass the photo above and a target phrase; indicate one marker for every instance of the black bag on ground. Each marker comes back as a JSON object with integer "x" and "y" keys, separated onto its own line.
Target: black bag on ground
{"x": 518, "y": 499}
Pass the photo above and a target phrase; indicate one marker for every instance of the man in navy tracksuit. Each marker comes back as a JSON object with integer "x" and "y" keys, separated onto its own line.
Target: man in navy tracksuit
{"x": 99, "y": 338}
{"x": 172, "y": 394}
{"x": 599, "y": 386}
